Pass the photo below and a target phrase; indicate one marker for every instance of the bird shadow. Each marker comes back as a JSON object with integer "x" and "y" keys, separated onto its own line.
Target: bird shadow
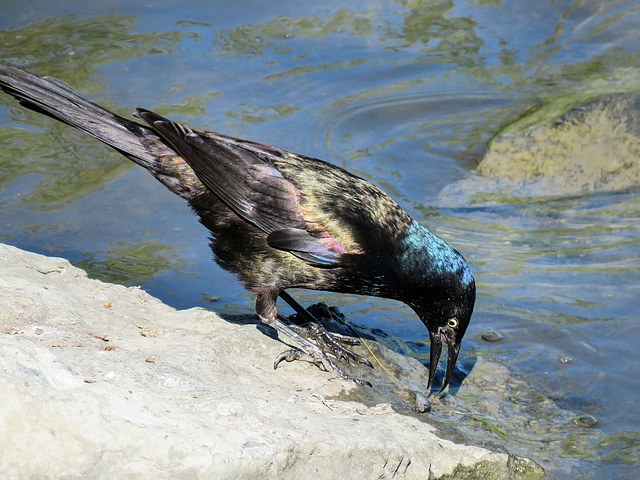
{"x": 249, "y": 319}
{"x": 331, "y": 318}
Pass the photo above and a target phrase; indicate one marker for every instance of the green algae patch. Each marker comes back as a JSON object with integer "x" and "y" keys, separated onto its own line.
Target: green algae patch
{"x": 594, "y": 147}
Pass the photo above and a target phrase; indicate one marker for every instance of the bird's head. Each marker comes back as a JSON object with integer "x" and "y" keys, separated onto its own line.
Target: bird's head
{"x": 447, "y": 315}
{"x": 439, "y": 286}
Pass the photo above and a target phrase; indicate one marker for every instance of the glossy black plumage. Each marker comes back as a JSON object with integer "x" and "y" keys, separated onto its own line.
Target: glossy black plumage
{"x": 281, "y": 220}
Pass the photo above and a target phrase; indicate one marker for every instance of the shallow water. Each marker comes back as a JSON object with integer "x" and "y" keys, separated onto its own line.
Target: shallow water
{"x": 406, "y": 94}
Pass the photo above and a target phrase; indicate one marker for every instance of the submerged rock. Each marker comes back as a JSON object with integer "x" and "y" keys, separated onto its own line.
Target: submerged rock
{"x": 594, "y": 147}
{"x": 104, "y": 381}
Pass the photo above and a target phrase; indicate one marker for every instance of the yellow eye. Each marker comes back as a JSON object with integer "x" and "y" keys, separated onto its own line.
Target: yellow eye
{"x": 453, "y": 322}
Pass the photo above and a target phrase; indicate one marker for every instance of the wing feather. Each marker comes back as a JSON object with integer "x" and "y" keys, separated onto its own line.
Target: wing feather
{"x": 251, "y": 186}
{"x": 305, "y": 246}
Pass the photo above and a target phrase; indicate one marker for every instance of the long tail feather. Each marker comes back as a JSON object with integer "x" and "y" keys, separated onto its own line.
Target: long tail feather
{"x": 134, "y": 140}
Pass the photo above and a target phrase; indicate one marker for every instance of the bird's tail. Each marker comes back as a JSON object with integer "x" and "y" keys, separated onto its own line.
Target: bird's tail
{"x": 135, "y": 141}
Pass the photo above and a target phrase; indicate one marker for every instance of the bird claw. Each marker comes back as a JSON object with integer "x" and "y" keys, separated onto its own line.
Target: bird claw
{"x": 292, "y": 355}
{"x": 313, "y": 340}
{"x": 331, "y": 342}
{"x": 321, "y": 360}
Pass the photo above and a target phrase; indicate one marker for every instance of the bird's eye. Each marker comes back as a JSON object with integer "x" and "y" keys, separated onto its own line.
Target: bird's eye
{"x": 453, "y": 322}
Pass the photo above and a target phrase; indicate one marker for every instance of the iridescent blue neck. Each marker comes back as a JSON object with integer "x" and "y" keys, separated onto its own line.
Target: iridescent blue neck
{"x": 423, "y": 246}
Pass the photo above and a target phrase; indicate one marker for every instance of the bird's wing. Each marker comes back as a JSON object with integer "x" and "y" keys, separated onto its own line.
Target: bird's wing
{"x": 251, "y": 186}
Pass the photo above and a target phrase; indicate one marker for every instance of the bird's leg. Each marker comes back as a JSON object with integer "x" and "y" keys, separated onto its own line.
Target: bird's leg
{"x": 308, "y": 351}
{"x": 328, "y": 342}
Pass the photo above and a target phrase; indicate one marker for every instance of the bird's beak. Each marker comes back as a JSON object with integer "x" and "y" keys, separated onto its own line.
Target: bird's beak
{"x": 452, "y": 358}
{"x": 434, "y": 358}
{"x": 434, "y": 355}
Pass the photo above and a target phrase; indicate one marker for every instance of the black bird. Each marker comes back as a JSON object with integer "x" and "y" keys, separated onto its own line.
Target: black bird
{"x": 281, "y": 220}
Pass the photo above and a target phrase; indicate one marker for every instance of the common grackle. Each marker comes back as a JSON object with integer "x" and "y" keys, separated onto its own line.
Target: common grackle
{"x": 281, "y": 220}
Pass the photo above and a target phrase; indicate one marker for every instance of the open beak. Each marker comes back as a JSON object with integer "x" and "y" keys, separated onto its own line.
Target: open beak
{"x": 434, "y": 358}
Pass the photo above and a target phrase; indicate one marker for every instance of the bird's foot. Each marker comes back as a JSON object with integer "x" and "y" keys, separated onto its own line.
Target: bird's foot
{"x": 331, "y": 343}
{"x": 325, "y": 343}
{"x": 307, "y": 351}
{"x": 309, "y": 326}
{"x": 320, "y": 359}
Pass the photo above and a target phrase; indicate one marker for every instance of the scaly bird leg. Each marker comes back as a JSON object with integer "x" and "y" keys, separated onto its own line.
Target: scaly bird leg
{"x": 328, "y": 342}
{"x": 308, "y": 351}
